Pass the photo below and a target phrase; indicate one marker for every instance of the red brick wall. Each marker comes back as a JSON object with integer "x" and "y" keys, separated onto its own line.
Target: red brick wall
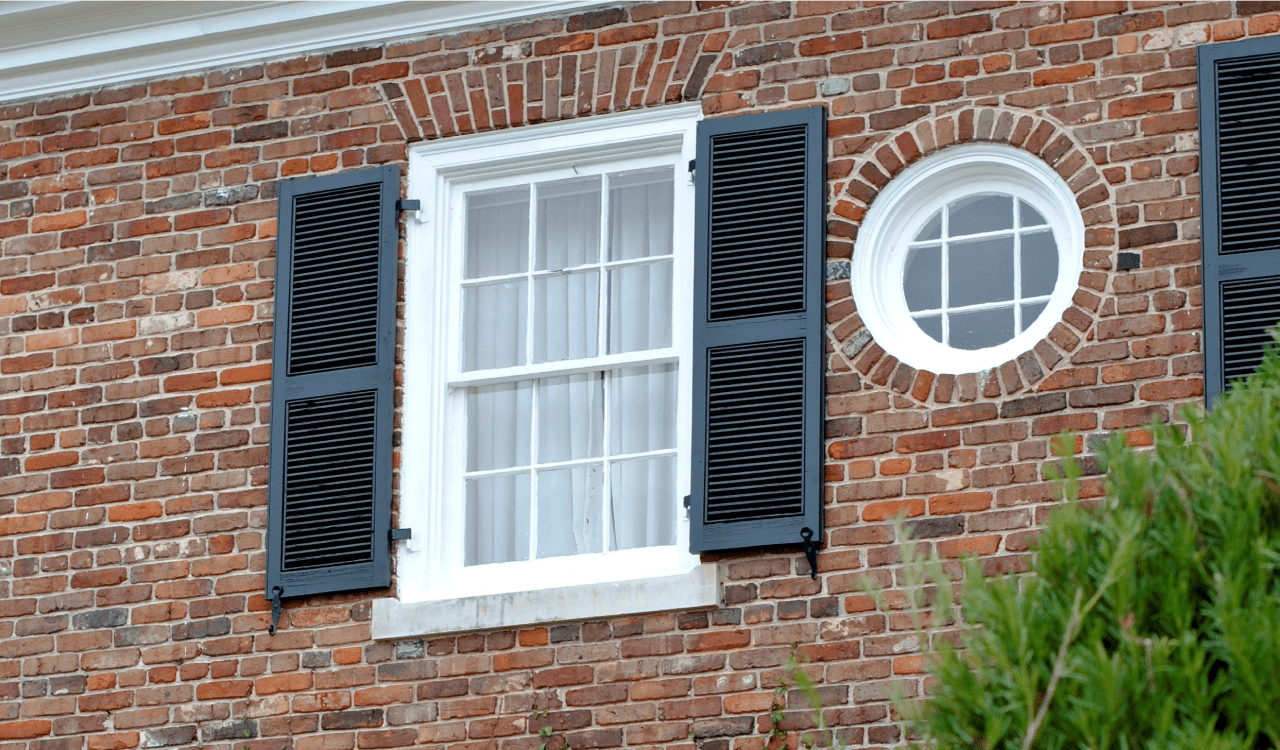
{"x": 136, "y": 255}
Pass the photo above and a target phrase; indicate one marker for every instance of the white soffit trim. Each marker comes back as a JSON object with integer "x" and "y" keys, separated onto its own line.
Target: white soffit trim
{"x": 53, "y": 47}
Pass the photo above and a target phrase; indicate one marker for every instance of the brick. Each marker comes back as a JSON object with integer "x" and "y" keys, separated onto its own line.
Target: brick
{"x": 1148, "y": 235}
{"x": 954, "y": 27}
{"x": 1172, "y": 390}
{"x": 927, "y": 441}
{"x": 964, "y": 414}
{"x": 977, "y": 545}
{"x": 966, "y": 502}
{"x": 21, "y": 730}
{"x": 886, "y": 510}
{"x": 1030, "y": 405}
{"x": 1063, "y": 423}
{"x": 523, "y": 660}
{"x": 718, "y": 641}
{"x": 1135, "y": 417}
{"x": 291, "y": 683}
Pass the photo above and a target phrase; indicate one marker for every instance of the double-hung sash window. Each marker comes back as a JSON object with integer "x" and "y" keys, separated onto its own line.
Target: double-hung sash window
{"x": 547, "y": 357}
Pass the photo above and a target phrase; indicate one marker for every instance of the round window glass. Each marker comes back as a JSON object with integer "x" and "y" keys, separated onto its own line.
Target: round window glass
{"x": 968, "y": 258}
{"x": 980, "y": 271}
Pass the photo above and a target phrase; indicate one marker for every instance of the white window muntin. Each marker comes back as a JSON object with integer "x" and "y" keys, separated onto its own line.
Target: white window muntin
{"x": 909, "y": 200}
{"x": 430, "y": 564}
{"x": 1023, "y": 223}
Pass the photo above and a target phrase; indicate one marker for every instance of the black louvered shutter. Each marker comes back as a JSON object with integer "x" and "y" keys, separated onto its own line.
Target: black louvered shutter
{"x": 1240, "y": 194}
{"x": 758, "y": 323}
{"x": 332, "y": 384}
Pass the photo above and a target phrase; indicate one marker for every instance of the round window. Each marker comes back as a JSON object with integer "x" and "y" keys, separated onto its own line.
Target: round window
{"x": 968, "y": 258}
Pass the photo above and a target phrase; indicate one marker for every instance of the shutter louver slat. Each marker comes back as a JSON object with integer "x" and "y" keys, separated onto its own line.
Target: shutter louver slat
{"x": 332, "y": 389}
{"x": 758, "y": 331}
{"x": 1249, "y": 310}
{"x": 1249, "y": 140}
{"x": 337, "y": 335}
{"x": 744, "y": 169}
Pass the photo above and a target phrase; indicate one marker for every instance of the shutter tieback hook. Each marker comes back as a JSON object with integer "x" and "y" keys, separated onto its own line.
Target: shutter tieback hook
{"x": 276, "y": 608}
{"x": 810, "y": 551}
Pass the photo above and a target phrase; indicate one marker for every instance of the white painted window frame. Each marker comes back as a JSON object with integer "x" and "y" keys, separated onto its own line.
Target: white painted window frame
{"x": 909, "y": 200}
{"x": 431, "y": 495}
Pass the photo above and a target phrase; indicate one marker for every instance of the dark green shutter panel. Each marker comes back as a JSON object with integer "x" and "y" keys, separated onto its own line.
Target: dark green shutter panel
{"x": 332, "y": 384}
{"x": 758, "y": 330}
{"x": 1239, "y": 99}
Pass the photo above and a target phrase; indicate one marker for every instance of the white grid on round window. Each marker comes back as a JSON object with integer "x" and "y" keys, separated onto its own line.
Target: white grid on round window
{"x": 968, "y": 258}
{"x": 980, "y": 271}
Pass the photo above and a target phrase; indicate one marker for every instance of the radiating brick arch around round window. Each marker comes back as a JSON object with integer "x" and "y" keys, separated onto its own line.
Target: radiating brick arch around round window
{"x": 857, "y": 183}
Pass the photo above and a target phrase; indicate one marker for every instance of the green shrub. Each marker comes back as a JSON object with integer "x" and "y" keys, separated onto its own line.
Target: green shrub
{"x": 1149, "y": 620}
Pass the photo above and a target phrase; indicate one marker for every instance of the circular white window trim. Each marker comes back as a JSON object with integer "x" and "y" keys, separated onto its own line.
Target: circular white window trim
{"x": 910, "y": 199}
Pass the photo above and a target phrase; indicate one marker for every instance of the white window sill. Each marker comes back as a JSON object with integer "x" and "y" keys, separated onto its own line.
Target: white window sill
{"x": 699, "y": 588}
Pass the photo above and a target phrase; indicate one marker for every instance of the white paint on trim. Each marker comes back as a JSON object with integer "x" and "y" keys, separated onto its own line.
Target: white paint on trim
{"x": 697, "y": 589}
{"x": 9, "y": 7}
{"x": 53, "y": 47}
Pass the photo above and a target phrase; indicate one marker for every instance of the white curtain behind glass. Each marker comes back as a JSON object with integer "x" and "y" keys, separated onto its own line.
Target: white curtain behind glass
{"x": 643, "y": 407}
{"x": 564, "y": 465}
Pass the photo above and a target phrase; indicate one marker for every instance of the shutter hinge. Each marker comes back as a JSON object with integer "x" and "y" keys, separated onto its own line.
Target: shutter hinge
{"x": 403, "y": 204}
{"x": 688, "y": 502}
{"x": 399, "y": 534}
{"x": 810, "y": 551}
{"x": 276, "y": 608}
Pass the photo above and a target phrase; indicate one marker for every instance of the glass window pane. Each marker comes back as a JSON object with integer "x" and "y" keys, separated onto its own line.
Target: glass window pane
{"x": 569, "y": 509}
{"x": 1030, "y": 217}
{"x": 640, "y": 307}
{"x": 980, "y": 213}
{"x": 1039, "y": 264}
{"x": 980, "y": 271}
{"x": 642, "y": 409}
{"x": 570, "y": 417}
{"x": 566, "y": 316}
{"x": 642, "y": 503}
{"x": 641, "y": 205}
{"x": 568, "y": 224}
{"x": 503, "y": 497}
{"x": 499, "y": 426}
{"x": 931, "y": 325}
{"x": 494, "y": 319}
{"x": 497, "y": 233}
{"x": 981, "y": 328}
{"x": 922, "y": 278}
{"x": 1030, "y": 313}
{"x": 932, "y": 229}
